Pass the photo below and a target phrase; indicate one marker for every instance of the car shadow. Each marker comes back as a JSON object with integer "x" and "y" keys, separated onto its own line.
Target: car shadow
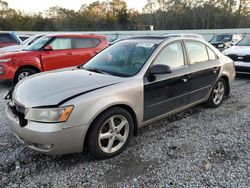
{"x": 243, "y": 76}
{"x": 6, "y": 84}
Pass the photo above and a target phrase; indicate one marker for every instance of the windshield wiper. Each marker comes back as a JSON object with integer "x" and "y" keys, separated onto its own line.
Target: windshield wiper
{"x": 94, "y": 70}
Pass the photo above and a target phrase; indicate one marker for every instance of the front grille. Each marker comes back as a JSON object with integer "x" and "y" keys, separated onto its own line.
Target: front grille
{"x": 19, "y": 112}
{"x": 242, "y": 69}
{"x": 235, "y": 57}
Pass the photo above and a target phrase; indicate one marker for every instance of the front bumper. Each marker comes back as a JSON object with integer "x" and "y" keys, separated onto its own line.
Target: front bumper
{"x": 7, "y": 71}
{"x": 242, "y": 67}
{"x": 48, "y": 138}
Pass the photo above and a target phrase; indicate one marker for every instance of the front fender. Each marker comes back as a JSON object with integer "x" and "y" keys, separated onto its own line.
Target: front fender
{"x": 34, "y": 61}
{"x": 88, "y": 106}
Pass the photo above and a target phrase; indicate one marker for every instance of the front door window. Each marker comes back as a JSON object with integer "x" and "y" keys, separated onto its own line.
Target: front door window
{"x": 61, "y": 44}
{"x": 171, "y": 55}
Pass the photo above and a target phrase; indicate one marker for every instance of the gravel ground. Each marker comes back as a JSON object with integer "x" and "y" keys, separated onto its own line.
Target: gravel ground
{"x": 199, "y": 147}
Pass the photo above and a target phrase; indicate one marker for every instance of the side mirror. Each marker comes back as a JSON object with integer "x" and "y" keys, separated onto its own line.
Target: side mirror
{"x": 48, "y": 48}
{"x": 160, "y": 69}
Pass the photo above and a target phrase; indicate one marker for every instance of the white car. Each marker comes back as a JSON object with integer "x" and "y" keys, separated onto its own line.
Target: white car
{"x": 23, "y": 37}
{"x": 23, "y": 45}
{"x": 240, "y": 54}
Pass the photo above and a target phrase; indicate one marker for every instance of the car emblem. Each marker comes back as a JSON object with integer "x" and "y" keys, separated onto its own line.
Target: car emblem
{"x": 240, "y": 58}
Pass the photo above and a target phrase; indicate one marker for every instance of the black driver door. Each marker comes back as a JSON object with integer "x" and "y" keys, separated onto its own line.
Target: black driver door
{"x": 164, "y": 93}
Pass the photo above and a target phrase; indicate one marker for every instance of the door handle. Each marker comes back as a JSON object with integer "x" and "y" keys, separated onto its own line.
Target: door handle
{"x": 216, "y": 69}
{"x": 186, "y": 78}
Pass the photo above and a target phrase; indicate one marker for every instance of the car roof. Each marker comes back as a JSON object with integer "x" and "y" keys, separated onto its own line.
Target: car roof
{"x": 182, "y": 34}
{"x": 160, "y": 38}
{"x": 77, "y": 35}
{"x": 188, "y": 35}
{"x": 225, "y": 34}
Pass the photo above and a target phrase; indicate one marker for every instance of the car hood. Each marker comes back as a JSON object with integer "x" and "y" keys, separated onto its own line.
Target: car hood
{"x": 11, "y": 48}
{"x": 17, "y": 54}
{"x": 52, "y": 88}
{"x": 238, "y": 50}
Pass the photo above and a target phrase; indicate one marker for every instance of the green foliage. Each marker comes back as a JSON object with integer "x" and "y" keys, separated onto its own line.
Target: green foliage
{"x": 114, "y": 15}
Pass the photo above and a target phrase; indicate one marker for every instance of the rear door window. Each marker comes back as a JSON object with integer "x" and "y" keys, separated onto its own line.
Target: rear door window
{"x": 197, "y": 52}
{"x": 211, "y": 54}
{"x": 96, "y": 42}
{"x": 85, "y": 42}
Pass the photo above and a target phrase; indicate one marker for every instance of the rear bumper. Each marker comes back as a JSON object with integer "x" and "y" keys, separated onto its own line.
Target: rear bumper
{"x": 48, "y": 138}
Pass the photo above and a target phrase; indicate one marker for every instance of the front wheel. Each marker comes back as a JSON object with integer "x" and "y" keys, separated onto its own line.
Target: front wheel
{"x": 218, "y": 94}
{"x": 23, "y": 73}
{"x": 110, "y": 133}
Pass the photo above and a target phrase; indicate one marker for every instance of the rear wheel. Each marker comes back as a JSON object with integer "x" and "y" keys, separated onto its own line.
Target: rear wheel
{"x": 218, "y": 94}
{"x": 110, "y": 134}
{"x": 23, "y": 73}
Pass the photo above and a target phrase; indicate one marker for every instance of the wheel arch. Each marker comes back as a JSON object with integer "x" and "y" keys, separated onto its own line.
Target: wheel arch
{"x": 124, "y": 106}
{"x": 226, "y": 79}
{"x": 27, "y": 66}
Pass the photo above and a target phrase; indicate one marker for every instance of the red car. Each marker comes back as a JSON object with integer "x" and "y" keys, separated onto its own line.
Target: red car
{"x": 49, "y": 53}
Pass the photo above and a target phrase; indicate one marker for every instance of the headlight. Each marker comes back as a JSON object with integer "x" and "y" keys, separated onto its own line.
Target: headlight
{"x": 224, "y": 52}
{"x": 5, "y": 60}
{"x": 50, "y": 115}
{"x": 220, "y": 45}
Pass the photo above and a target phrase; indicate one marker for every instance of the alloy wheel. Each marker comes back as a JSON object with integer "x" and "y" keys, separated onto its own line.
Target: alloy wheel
{"x": 23, "y": 75}
{"x": 219, "y": 92}
{"x": 113, "y": 134}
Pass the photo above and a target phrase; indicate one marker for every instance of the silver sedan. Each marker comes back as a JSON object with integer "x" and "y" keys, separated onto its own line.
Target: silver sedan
{"x": 101, "y": 104}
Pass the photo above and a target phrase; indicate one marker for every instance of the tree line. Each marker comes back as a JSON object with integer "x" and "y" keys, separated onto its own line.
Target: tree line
{"x": 115, "y": 15}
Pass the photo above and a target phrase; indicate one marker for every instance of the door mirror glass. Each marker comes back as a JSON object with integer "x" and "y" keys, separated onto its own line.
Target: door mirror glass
{"x": 160, "y": 69}
{"x": 48, "y": 48}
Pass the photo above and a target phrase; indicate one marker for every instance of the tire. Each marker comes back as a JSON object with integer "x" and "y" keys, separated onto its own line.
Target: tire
{"x": 23, "y": 73}
{"x": 104, "y": 140}
{"x": 217, "y": 94}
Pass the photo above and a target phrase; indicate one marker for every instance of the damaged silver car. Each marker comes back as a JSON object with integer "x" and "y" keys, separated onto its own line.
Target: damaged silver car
{"x": 101, "y": 104}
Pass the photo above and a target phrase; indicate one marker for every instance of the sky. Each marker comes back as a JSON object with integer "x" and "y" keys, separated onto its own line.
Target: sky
{"x": 41, "y": 5}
